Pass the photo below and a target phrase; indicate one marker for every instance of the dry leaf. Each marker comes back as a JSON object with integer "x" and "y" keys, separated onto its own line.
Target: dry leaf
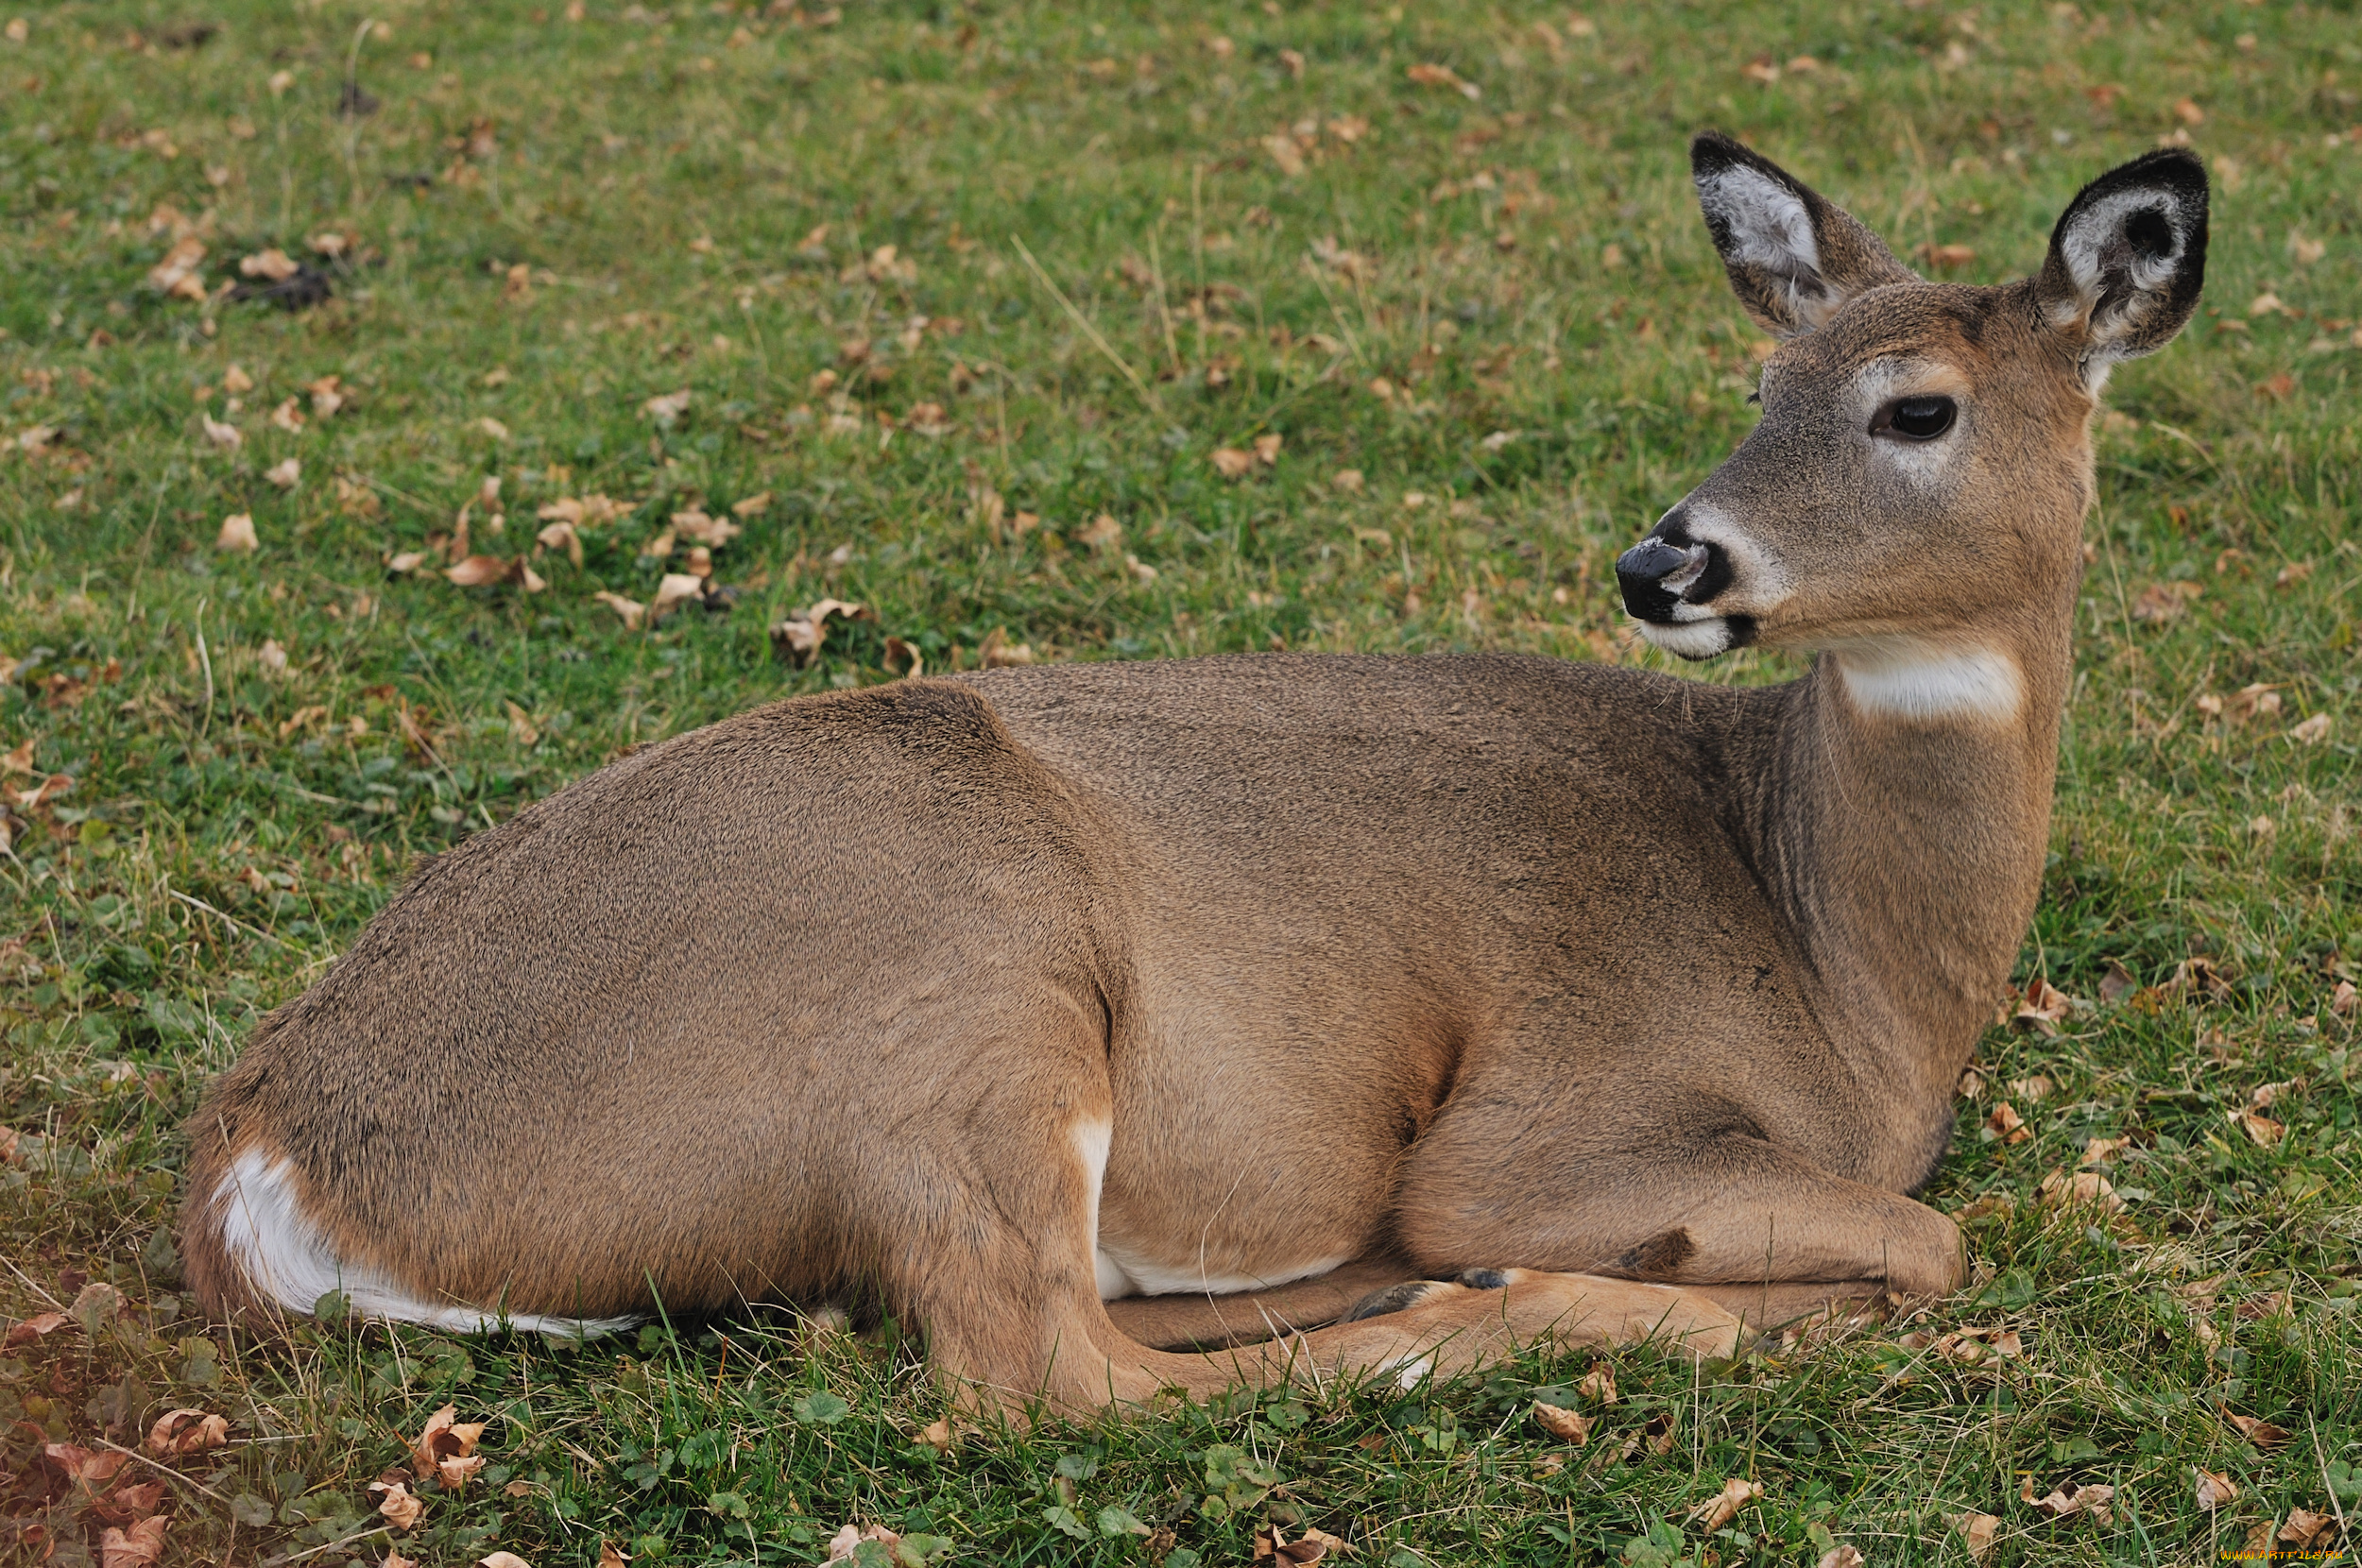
{"x": 138, "y": 1547}
{"x": 493, "y": 427}
{"x": 180, "y": 1432}
{"x": 396, "y": 1502}
{"x": 677, "y": 588}
{"x": 2098, "y": 1151}
{"x": 288, "y": 417}
{"x": 477, "y": 571}
{"x": 2162, "y": 601}
{"x": 1563, "y": 1425}
{"x": 327, "y": 395}
{"x": 235, "y": 380}
{"x": 1104, "y": 531}
{"x": 395, "y": 1560}
{"x": 2342, "y": 1000}
{"x": 610, "y": 1556}
{"x": 2033, "y": 1090}
{"x": 667, "y": 409}
{"x": 2007, "y": 1124}
{"x": 2312, "y": 731}
{"x": 227, "y": 437}
{"x": 561, "y": 536}
{"x": 1976, "y": 1531}
{"x": 272, "y": 656}
{"x": 84, "y": 1467}
{"x": 1232, "y": 463}
{"x": 845, "y": 1541}
{"x": 443, "y": 1438}
{"x": 1430, "y": 74}
{"x": 237, "y": 535}
{"x": 456, "y": 1473}
{"x": 2117, "y": 983}
{"x": 1724, "y": 1507}
{"x": 1267, "y": 449}
{"x": 753, "y": 505}
{"x": 501, "y": 1560}
{"x": 1947, "y": 258}
{"x": 2263, "y": 1434}
{"x": 2044, "y": 1007}
{"x": 2061, "y": 1504}
{"x": 274, "y": 263}
{"x": 1285, "y": 153}
{"x": 1598, "y": 1383}
{"x": 2084, "y": 1189}
{"x": 1841, "y": 1556}
{"x": 630, "y": 609}
{"x": 285, "y": 473}
{"x": 937, "y": 1435}
{"x": 2213, "y": 1490}
{"x": 177, "y": 276}
{"x": 2261, "y": 1129}
{"x": 999, "y": 653}
{"x": 1347, "y": 480}
{"x": 2306, "y": 1528}
{"x": 35, "y": 1327}
{"x": 698, "y": 528}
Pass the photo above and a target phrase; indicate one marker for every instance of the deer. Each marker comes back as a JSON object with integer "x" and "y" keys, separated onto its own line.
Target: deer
{"x": 1135, "y": 1027}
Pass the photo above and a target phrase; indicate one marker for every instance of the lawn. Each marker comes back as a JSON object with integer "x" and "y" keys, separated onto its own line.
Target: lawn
{"x": 1075, "y": 333}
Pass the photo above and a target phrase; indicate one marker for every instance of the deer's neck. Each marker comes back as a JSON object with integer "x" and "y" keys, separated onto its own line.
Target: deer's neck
{"x": 1903, "y": 826}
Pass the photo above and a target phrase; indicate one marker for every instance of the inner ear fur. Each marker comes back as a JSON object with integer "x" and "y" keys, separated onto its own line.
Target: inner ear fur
{"x": 2128, "y": 259}
{"x": 1793, "y": 256}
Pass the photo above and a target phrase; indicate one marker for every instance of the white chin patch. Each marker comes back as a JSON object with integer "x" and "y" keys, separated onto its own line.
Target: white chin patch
{"x": 1690, "y": 639}
{"x": 285, "y": 1259}
{"x": 1925, "y": 684}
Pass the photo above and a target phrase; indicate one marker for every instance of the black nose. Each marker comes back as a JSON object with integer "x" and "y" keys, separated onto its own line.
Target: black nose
{"x": 1642, "y": 572}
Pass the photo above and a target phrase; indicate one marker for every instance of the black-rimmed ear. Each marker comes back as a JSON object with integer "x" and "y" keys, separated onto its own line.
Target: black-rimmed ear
{"x": 1793, "y": 255}
{"x": 2128, "y": 260}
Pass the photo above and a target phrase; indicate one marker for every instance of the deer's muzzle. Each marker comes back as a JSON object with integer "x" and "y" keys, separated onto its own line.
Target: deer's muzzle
{"x": 1656, "y": 573}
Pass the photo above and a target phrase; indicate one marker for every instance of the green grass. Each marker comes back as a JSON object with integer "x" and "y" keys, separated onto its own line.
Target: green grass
{"x": 261, "y": 745}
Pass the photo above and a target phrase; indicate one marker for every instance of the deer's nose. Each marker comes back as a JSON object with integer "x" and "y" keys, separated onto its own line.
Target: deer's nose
{"x": 1654, "y": 574}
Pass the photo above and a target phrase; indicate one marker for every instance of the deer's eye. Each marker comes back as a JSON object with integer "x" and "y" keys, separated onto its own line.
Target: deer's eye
{"x": 1915, "y": 418}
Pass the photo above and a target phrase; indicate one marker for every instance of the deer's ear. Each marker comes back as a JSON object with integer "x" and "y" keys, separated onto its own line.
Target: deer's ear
{"x": 1793, "y": 255}
{"x": 2128, "y": 260}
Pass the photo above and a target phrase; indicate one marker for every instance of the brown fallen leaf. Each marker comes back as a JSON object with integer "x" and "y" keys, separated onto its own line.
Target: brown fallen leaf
{"x": 561, "y": 536}
{"x": 2062, "y": 1504}
{"x": 89, "y": 1468}
{"x": 1720, "y": 1508}
{"x": 675, "y": 589}
{"x": 845, "y": 1541}
{"x": 2117, "y": 983}
{"x": 2160, "y": 602}
{"x": 1267, "y": 449}
{"x": 483, "y": 571}
{"x": 401, "y": 1507}
{"x": 2006, "y": 1124}
{"x": 1598, "y": 1383}
{"x": 180, "y": 1432}
{"x": 1563, "y": 1424}
{"x": 237, "y": 535}
{"x": 2213, "y": 1490}
{"x": 2033, "y": 1090}
{"x": 442, "y": 1438}
{"x": 288, "y": 417}
{"x": 138, "y": 1546}
{"x": 2044, "y": 1007}
{"x": 667, "y": 409}
{"x": 797, "y": 638}
{"x": 395, "y": 1560}
{"x": 610, "y": 1556}
{"x": 501, "y": 1560}
{"x": 273, "y": 263}
{"x": 2084, "y": 1189}
{"x": 1976, "y": 1531}
{"x": 2263, "y": 1434}
{"x": 1102, "y": 531}
{"x": 2310, "y": 732}
{"x": 997, "y": 652}
{"x": 2306, "y": 1528}
{"x": 751, "y": 506}
{"x": 1232, "y": 462}
{"x": 40, "y": 1323}
{"x": 130, "y": 1505}
{"x": 2098, "y": 1151}
{"x": 1843, "y": 1555}
{"x": 2261, "y": 1129}
{"x": 1947, "y": 258}
{"x": 1428, "y": 74}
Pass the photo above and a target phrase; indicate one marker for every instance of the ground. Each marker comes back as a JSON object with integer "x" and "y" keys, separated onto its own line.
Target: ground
{"x": 1089, "y": 333}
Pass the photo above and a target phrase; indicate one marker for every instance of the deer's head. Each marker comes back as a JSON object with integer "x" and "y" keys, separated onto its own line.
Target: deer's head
{"x": 1923, "y": 460}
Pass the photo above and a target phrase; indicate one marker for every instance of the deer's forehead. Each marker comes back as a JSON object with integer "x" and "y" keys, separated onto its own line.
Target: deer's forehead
{"x": 1934, "y": 324}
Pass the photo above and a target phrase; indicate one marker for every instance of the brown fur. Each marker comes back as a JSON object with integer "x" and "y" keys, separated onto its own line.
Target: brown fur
{"x": 1649, "y": 992}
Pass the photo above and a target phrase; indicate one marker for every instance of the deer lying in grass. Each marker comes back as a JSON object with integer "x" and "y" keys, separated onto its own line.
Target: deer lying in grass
{"x": 1073, "y": 1015}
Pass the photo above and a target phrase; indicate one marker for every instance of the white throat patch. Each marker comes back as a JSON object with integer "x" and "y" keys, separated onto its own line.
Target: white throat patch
{"x": 1922, "y": 683}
